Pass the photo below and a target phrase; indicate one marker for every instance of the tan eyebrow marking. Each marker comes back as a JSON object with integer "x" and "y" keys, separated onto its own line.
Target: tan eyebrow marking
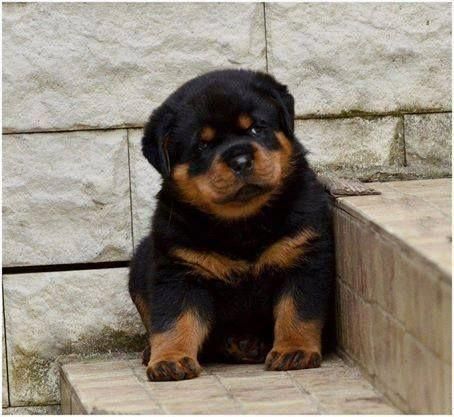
{"x": 245, "y": 121}
{"x": 207, "y": 133}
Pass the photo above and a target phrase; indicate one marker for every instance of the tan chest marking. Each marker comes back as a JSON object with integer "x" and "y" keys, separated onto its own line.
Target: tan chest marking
{"x": 285, "y": 252}
{"x": 211, "y": 264}
{"x": 281, "y": 254}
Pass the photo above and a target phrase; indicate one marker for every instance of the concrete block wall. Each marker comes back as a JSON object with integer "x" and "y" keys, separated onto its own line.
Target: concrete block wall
{"x": 393, "y": 267}
{"x": 373, "y": 100}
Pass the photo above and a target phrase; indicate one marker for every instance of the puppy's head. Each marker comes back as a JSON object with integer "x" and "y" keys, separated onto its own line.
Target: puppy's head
{"x": 224, "y": 141}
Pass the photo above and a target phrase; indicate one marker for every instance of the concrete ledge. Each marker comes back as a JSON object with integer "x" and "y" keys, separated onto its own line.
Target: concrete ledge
{"x": 394, "y": 290}
{"x": 121, "y": 387}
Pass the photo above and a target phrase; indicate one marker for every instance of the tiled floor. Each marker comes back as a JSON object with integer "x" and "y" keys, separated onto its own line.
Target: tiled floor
{"x": 121, "y": 387}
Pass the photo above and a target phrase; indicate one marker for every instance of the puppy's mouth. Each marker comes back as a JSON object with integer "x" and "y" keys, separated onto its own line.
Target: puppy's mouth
{"x": 246, "y": 193}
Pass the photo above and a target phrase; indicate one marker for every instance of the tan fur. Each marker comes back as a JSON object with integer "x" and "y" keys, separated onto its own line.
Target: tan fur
{"x": 281, "y": 254}
{"x": 207, "y": 191}
{"x": 291, "y": 333}
{"x": 211, "y": 265}
{"x": 285, "y": 154}
{"x": 207, "y": 134}
{"x": 244, "y": 121}
{"x": 144, "y": 311}
{"x": 184, "y": 339}
{"x": 285, "y": 252}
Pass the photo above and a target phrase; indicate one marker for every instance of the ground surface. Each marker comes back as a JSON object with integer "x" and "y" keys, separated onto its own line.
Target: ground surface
{"x": 121, "y": 387}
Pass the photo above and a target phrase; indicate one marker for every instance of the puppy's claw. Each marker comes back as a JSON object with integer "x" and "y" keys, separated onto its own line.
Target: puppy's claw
{"x": 278, "y": 360}
{"x": 173, "y": 370}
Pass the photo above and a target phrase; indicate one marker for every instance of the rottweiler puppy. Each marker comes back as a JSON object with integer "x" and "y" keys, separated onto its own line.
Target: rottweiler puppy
{"x": 239, "y": 263}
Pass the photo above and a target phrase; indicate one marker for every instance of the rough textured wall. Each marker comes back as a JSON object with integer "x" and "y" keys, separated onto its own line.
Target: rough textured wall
{"x": 373, "y": 97}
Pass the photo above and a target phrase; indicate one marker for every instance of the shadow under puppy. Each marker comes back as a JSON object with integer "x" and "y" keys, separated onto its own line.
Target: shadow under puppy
{"x": 239, "y": 262}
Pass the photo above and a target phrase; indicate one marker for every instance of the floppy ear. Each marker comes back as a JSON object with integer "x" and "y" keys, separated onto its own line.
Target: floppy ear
{"x": 287, "y": 104}
{"x": 279, "y": 93}
{"x": 155, "y": 140}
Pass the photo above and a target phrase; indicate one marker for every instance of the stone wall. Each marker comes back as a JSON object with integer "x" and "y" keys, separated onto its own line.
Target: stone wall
{"x": 373, "y": 98}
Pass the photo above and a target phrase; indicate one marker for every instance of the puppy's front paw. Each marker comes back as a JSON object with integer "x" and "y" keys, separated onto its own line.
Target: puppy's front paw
{"x": 173, "y": 369}
{"x": 288, "y": 359}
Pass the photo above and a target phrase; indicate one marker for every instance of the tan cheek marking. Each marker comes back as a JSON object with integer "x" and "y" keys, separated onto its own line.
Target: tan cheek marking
{"x": 267, "y": 165}
{"x": 202, "y": 189}
{"x": 244, "y": 121}
{"x": 285, "y": 153}
{"x": 210, "y": 264}
{"x": 207, "y": 133}
{"x": 290, "y": 332}
{"x": 240, "y": 210}
{"x": 185, "y": 184}
{"x": 199, "y": 191}
{"x": 183, "y": 339}
{"x": 222, "y": 176}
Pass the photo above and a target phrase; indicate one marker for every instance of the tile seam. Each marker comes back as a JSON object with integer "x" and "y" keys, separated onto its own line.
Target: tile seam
{"x": 314, "y": 399}
{"x": 131, "y": 214}
{"x": 266, "y": 37}
{"x": 326, "y": 116}
{"x": 235, "y": 400}
{"x": 6, "y": 348}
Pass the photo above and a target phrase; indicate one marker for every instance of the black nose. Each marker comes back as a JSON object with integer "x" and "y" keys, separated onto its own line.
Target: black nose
{"x": 241, "y": 164}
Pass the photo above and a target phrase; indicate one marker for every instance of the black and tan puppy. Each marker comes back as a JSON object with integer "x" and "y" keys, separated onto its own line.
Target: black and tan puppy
{"x": 238, "y": 264}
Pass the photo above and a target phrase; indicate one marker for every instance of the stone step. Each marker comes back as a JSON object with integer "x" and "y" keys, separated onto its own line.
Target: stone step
{"x": 121, "y": 387}
{"x": 393, "y": 263}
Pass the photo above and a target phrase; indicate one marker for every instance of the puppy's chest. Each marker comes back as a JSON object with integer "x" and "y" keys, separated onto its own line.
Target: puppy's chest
{"x": 247, "y": 260}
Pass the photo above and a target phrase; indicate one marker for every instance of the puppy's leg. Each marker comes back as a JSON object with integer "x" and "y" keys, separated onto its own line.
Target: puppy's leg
{"x": 177, "y": 334}
{"x": 300, "y": 311}
{"x": 143, "y": 308}
{"x": 138, "y": 289}
{"x": 297, "y": 341}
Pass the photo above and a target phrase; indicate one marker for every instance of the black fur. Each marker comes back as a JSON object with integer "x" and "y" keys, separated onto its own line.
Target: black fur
{"x": 246, "y": 305}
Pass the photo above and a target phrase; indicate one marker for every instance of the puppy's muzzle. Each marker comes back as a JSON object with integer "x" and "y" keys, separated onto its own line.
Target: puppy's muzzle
{"x": 240, "y": 159}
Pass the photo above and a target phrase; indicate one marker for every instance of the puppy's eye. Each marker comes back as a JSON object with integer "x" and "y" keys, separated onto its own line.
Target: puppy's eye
{"x": 202, "y": 145}
{"x": 255, "y": 130}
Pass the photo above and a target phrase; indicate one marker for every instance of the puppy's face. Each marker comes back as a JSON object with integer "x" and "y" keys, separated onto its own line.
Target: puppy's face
{"x": 227, "y": 145}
